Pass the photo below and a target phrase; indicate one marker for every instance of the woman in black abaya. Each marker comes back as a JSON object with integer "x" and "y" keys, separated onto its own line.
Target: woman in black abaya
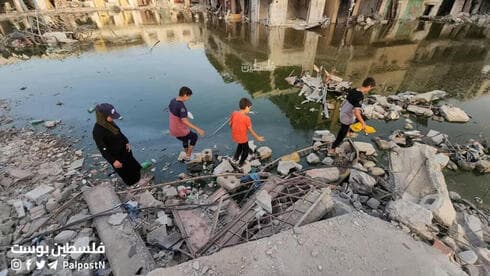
{"x": 113, "y": 145}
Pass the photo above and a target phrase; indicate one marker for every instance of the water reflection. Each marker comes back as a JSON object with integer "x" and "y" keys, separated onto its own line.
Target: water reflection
{"x": 416, "y": 56}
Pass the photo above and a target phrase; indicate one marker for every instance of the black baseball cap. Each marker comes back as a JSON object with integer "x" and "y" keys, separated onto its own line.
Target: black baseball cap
{"x": 108, "y": 110}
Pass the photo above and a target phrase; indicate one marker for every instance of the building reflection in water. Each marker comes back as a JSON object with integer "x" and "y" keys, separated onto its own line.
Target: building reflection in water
{"x": 415, "y": 56}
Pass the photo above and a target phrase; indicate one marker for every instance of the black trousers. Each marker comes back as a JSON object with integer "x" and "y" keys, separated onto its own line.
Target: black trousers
{"x": 190, "y": 138}
{"x": 344, "y": 129}
{"x": 242, "y": 152}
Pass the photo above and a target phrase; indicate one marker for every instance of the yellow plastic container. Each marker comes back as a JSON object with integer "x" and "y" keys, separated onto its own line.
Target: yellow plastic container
{"x": 358, "y": 127}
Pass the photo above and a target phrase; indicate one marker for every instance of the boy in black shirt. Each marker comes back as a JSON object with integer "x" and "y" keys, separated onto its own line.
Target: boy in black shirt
{"x": 351, "y": 110}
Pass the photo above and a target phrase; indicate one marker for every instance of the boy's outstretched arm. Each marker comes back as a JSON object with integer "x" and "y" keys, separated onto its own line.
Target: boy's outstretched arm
{"x": 191, "y": 125}
{"x": 257, "y": 137}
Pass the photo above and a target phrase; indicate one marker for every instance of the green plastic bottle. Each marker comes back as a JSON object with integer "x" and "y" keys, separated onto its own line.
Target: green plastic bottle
{"x": 145, "y": 165}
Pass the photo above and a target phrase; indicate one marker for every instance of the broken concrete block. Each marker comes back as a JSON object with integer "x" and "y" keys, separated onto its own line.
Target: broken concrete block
{"x": 40, "y": 193}
{"x": 125, "y": 250}
{"x": 255, "y": 163}
{"x": 312, "y": 158}
{"x": 383, "y": 144}
{"x": 80, "y": 242}
{"x": 65, "y": 236}
{"x": 367, "y": 148}
{"x": 436, "y": 137}
{"x": 116, "y": 219}
{"x": 421, "y": 111}
{"x": 157, "y": 236}
{"x": 195, "y": 158}
{"x": 483, "y": 166}
{"x": 230, "y": 183}
{"x": 327, "y": 174}
{"x": 19, "y": 174}
{"x": 146, "y": 199}
{"x": 75, "y": 165}
{"x": 264, "y": 152}
{"x": 324, "y": 136}
{"x": 51, "y": 204}
{"x": 411, "y": 214}
{"x": 19, "y": 208}
{"x": 454, "y": 114}
{"x": 264, "y": 200}
{"x": 473, "y": 229}
{"x": 328, "y": 161}
{"x": 416, "y": 174}
{"x": 373, "y": 203}
{"x": 468, "y": 257}
{"x": 301, "y": 206}
{"x": 442, "y": 159}
{"x": 284, "y": 167}
{"x": 207, "y": 155}
{"x": 292, "y": 157}
{"x": 428, "y": 97}
{"x": 164, "y": 219}
{"x": 223, "y": 167}
{"x": 369, "y": 164}
{"x": 197, "y": 227}
{"x": 170, "y": 191}
{"x": 443, "y": 248}
{"x": 376, "y": 171}
{"x": 361, "y": 182}
{"x": 37, "y": 212}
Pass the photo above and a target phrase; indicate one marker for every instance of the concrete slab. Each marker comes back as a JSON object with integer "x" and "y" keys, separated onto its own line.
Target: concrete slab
{"x": 352, "y": 244}
{"x": 125, "y": 250}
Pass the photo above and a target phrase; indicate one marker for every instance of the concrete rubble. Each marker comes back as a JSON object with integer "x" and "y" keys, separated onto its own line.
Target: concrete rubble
{"x": 164, "y": 225}
{"x": 317, "y": 88}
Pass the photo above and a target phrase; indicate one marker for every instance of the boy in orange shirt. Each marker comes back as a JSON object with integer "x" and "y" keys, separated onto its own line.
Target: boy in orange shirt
{"x": 240, "y": 124}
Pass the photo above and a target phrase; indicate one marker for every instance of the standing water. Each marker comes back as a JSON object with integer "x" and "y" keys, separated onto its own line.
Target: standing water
{"x": 140, "y": 67}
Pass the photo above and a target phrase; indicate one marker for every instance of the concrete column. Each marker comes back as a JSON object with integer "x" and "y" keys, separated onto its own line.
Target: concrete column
{"x": 40, "y": 5}
{"x": 332, "y": 10}
{"x": 187, "y": 4}
{"x": 457, "y": 7}
{"x": 20, "y": 6}
{"x": 311, "y": 45}
{"x": 278, "y": 12}
{"x": 357, "y": 6}
{"x": 255, "y": 34}
{"x": 233, "y": 6}
{"x": 254, "y": 11}
{"x": 315, "y": 11}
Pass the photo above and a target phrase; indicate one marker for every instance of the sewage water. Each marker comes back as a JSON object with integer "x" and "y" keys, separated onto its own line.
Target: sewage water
{"x": 139, "y": 68}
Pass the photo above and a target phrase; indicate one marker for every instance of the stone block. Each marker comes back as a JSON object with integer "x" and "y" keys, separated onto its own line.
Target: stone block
{"x": 40, "y": 193}
{"x": 207, "y": 155}
{"x": 223, "y": 167}
{"x": 264, "y": 200}
{"x": 284, "y": 167}
{"x": 264, "y": 152}
{"x": 312, "y": 158}
{"x": 230, "y": 183}
{"x": 327, "y": 174}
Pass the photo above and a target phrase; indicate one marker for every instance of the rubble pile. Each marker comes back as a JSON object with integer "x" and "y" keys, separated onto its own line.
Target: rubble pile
{"x": 315, "y": 89}
{"x": 47, "y": 198}
{"x": 41, "y": 182}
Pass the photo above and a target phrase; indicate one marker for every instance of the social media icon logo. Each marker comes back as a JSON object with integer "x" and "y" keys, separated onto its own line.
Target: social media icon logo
{"x": 16, "y": 264}
{"x": 40, "y": 265}
{"x": 53, "y": 265}
{"x": 28, "y": 264}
